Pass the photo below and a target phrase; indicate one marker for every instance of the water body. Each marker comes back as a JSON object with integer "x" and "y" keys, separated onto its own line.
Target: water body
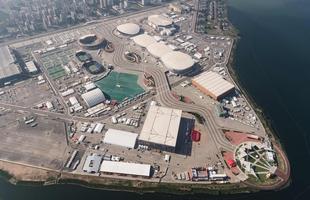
{"x": 274, "y": 67}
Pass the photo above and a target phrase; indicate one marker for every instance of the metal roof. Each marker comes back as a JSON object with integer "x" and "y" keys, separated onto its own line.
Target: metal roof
{"x": 120, "y": 138}
{"x": 177, "y": 61}
{"x": 214, "y": 83}
{"x": 129, "y": 28}
{"x": 143, "y": 40}
{"x": 93, "y": 97}
{"x": 158, "y": 49}
{"x": 161, "y": 126}
{"x": 31, "y": 67}
{"x": 92, "y": 163}
{"x": 89, "y": 86}
{"x": 7, "y": 66}
{"x": 159, "y": 20}
{"x": 126, "y": 168}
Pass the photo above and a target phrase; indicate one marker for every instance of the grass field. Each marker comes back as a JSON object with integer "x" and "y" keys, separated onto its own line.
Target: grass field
{"x": 118, "y": 86}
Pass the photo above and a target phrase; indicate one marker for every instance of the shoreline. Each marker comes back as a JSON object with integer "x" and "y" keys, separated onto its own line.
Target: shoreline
{"x": 143, "y": 187}
{"x": 139, "y": 187}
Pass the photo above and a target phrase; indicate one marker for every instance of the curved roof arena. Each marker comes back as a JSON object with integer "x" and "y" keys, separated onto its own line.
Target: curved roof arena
{"x": 158, "y": 49}
{"x": 177, "y": 61}
{"x": 90, "y": 41}
{"x": 159, "y": 20}
{"x": 144, "y": 40}
{"x": 129, "y": 28}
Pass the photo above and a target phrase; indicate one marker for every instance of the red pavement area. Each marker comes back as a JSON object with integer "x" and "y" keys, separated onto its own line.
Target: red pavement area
{"x": 230, "y": 156}
{"x": 237, "y": 138}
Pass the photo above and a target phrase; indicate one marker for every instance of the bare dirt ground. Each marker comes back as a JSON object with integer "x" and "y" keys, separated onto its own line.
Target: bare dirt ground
{"x": 25, "y": 173}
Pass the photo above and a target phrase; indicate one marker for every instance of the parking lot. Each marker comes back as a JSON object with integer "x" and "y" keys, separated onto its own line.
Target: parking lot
{"x": 43, "y": 145}
{"x": 27, "y": 93}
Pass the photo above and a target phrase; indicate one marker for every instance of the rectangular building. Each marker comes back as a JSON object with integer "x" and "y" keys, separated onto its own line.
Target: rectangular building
{"x": 124, "y": 168}
{"x": 120, "y": 138}
{"x": 9, "y": 70}
{"x": 161, "y": 128}
{"x": 31, "y": 67}
{"x": 213, "y": 85}
{"x": 92, "y": 163}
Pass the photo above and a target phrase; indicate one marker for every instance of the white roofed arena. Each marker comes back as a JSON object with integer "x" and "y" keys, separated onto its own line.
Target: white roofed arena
{"x": 175, "y": 61}
{"x": 128, "y": 29}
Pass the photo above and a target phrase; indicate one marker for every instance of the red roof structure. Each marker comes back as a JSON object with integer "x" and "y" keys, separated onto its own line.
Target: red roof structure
{"x": 231, "y": 163}
{"x": 196, "y": 136}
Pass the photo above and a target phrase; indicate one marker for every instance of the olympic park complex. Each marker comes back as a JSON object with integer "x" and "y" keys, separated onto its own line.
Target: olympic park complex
{"x": 175, "y": 61}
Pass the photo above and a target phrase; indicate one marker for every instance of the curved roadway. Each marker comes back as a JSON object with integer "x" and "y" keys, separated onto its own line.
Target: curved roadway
{"x": 164, "y": 94}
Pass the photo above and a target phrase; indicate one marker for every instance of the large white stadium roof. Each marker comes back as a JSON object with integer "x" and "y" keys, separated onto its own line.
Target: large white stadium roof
{"x": 158, "y": 49}
{"x": 125, "y": 168}
{"x": 214, "y": 83}
{"x": 93, "y": 97}
{"x": 120, "y": 138}
{"x": 161, "y": 126}
{"x": 129, "y": 28}
{"x": 159, "y": 20}
{"x": 177, "y": 61}
{"x": 7, "y": 66}
{"x": 144, "y": 40}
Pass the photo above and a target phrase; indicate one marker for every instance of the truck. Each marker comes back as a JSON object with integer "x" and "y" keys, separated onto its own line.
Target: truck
{"x": 81, "y": 139}
{"x": 114, "y": 120}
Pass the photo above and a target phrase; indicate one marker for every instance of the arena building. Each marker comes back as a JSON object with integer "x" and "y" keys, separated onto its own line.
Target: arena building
{"x": 159, "y": 21}
{"x": 175, "y": 61}
{"x": 91, "y": 42}
{"x": 158, "y": 49}
{"x": 9, "y": 70}
{"x": 178, "y": 62}
{"x": 83, "y": 56}
{"x": 213, "y": 85}
{"x": 161, "y": 128}
{"x": 144, "y": 40}
{"x": 93, "y": 67}
{"x": 93, "y": 97}
{"x": 128, "y": 29}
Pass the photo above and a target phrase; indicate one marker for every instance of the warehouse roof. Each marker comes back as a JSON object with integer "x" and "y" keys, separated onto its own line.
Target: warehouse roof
{"x": 93, "y": 97}
{"x": 31, "y": 67}
{"x": 126, "y": 168}
{"x": 158, "y": 49}
{"x": 129, "y": 28}
{"x": 143, "y": 40}
{"x": 7, "y": 66}
{"x": 120, "y": 138}
{"x": 214, "y": 83}
{"x": 92, "y": 163}
{"x": 159, "y": 20}
{"x": 176, "y": 60}
{"x": 161, "y": 126}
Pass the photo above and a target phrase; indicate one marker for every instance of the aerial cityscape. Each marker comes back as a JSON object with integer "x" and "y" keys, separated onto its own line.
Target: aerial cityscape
{"x": 130, "y": 94}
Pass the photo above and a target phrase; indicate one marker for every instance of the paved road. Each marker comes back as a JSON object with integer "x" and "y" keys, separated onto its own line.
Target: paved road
{"x": 97, "y": 22}
{"x": 164, "y": 94}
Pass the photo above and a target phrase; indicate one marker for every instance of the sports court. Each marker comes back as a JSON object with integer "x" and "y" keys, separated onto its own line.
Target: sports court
{"x": 53, "y": 62}
{"x": 118, "y": 86}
